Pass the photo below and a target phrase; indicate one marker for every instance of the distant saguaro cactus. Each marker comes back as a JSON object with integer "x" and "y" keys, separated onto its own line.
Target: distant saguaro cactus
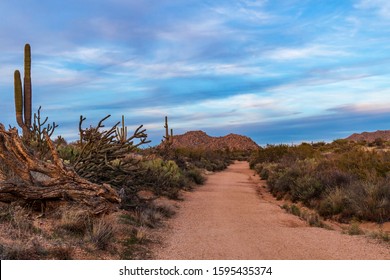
{"x": 23, "y": 97}
{"x": 168, "y": 138}
{"x": 121, "y": 132}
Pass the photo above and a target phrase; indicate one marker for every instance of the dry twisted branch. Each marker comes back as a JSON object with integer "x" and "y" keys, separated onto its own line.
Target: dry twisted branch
{"x": 37, "y": 180}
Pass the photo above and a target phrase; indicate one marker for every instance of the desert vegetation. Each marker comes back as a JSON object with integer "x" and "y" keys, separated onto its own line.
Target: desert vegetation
{"x": 97, "y": 197}
{"x": 343, "y": 180}
{"x": 102, "y": 195}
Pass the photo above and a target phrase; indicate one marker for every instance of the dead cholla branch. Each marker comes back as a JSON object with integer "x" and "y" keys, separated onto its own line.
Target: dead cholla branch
{"x": 38, "y": 134}
{"x": 57, "y": 183}
{"x": 103, "y": 158}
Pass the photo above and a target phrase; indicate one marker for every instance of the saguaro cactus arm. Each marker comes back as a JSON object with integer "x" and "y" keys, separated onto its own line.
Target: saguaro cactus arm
{"x": 18, "y": 98}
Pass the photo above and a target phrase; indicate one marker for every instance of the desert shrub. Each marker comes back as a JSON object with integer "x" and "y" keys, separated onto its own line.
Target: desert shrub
{"x": 385, "y": 236}
{"x": 280, "y": 182}
{"x": 64, "y": 252}
{"x": 330, "y": 176}
{"x": 364, "y": 165}
{"x": 22, "y": 250}
{"x": 342, "y": 179}
{"x": 239, "y": 155}
{"x": 75, "y": 221}
{"x": 301, "y": 152}
{"x": 102, "y": 233}
{"x": 5, "y": 214}
{"x": 335, "y": 202}
{"x": 150, "y": 215}
{"x": 272, "y": 153}
{"x": 195, "y": 175}
{"x": 258, "y": 167}
{"x": 305, "y": 188}
{"x": 312, "y": 218}
{"x": 20, "y": 221}
{"x": 162, "y": 177}
{"x": 354, "y": 229}
{"x": 16, "y": 251}
{"x": 68, "y": 153}
{"x": 295, "y": 210}
{"x": 342, "y": 146}
{"x": 200, "y": 158}
{"x": 138, "y": 236}
{"x": 370, "y": 200}
{"x": 280, "y": 153}
{"x": 264, "y": 173}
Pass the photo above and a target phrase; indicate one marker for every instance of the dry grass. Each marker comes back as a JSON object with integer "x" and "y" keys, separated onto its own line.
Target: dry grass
{"x": 309, "y": 216}
{"x": 103, "y": 232}
{"x": 62, "y": 252}
{"x": 150, "y": 216}
{"x": 354, "y": 229}
{"x": 75, "y": 221}
{"x": 71, "y": 233}
{"x": 381, "y": 235}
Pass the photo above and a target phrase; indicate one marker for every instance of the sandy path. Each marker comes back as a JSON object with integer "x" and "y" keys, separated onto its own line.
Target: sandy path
{"x": 226, "y": 219}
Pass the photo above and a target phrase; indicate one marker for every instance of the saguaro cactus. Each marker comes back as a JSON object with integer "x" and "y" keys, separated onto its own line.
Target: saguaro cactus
{"x": 27, "y": 85}
{"x": 166, "y": 137}
{"x": 121, "y": 132}
{"x": 23, "y": 98}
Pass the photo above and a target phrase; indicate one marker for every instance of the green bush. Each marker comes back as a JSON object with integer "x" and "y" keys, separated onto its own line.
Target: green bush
{"x": 342, "y": 179}
{"x": 69, "y": 152}
{"x": 371, "y": 200}
{"x": 272, "y": 153}
{"x": 195, "y": 175}
{"x": 163, "y": 177}
{"x": 335, "y": 202}
{"x": 280, "y": 182}
{"x": 305, "y": 188}
{"x": 264, "y": 173}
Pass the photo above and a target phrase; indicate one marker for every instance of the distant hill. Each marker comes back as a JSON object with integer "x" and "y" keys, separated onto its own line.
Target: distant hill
{"x": 370, "y": 136}
{"x": 199, "y": 139}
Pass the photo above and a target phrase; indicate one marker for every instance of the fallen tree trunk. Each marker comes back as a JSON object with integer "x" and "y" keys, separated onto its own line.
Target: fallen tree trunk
{"x": 39, "y": 181}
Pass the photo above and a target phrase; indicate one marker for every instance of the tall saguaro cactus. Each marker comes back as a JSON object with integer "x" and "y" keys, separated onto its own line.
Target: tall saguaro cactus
{"x": 168, "y": 138}
{"x": 23, "y": 97}
{"x": 27, "y": 85}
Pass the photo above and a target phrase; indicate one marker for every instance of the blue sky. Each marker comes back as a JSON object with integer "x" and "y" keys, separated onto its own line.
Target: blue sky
{"x": 281, "y": 71}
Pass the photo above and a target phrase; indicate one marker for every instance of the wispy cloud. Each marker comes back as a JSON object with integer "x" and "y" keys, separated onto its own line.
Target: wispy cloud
{"x": 305, "y": 52}
{"x": 380, "y": 7}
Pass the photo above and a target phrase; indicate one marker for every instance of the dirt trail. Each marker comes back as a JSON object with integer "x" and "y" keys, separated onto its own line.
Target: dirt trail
{"x": 227, "y": 219}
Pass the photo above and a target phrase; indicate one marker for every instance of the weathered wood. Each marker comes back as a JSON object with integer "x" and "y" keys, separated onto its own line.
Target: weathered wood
{"x": 38, "y": 180}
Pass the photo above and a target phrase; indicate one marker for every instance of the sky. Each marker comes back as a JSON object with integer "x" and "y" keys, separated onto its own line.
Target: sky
{"x": 282, "y": 71}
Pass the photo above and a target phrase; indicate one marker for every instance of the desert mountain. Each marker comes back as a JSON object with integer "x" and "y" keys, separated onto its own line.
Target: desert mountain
{"x": 370, "y": 136}
{"x": 199, "y": 139}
